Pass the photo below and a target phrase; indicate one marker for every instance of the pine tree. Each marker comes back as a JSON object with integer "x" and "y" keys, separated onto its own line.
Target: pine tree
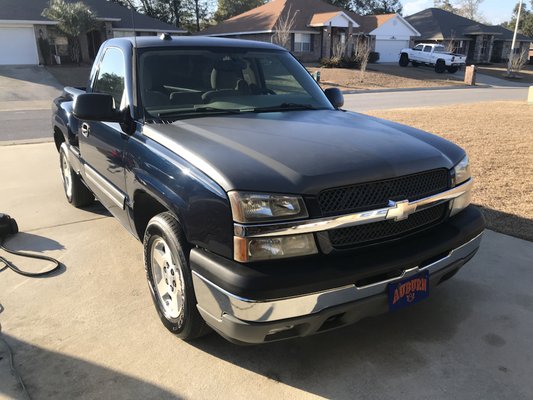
{"x": 230, "y": 8}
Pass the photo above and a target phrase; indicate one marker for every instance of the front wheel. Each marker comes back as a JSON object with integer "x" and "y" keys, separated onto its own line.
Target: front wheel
{"x": 404, "y": 60}
{"x": 169, "y": 277}
{"x": 75, "y": 190}
{"x": 440, "y": 67}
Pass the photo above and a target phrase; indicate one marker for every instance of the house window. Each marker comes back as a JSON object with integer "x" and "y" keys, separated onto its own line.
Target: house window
{"x": 458, "y": 46}
{"x": 302, "y": 42}
{"x": 484, "y": 47}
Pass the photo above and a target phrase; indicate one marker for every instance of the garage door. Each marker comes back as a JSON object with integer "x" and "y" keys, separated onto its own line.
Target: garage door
{"x": 389, "y": 50}
{"x": 18, "y": 46}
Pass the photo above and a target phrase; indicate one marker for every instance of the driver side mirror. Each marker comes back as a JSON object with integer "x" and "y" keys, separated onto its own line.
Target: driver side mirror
{"x": 335, "y": 97}
{"x": 96, "y": 107}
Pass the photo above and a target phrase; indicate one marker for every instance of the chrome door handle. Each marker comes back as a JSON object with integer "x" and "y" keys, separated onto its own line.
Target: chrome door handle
{"x": 85, "y": 129}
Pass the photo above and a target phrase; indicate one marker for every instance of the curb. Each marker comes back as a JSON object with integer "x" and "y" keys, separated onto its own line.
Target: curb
{"x": 420, "y": 89}
{"x": 26, "y": 141}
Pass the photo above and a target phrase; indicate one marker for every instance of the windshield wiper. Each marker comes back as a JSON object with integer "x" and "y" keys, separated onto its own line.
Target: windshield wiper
{"x": 202, "y": 110}
{"x": 287, "y": 107}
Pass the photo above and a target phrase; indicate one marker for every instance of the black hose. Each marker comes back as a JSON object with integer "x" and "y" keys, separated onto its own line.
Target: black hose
{"x": 14, "y": 268}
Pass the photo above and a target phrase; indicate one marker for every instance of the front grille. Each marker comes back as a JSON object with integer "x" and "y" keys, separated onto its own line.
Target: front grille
{"x": 372, "y": 195}
{"x": 379, "y": 231}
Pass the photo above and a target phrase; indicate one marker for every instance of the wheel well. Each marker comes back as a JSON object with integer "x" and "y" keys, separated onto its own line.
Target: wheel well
{"x": 145, "y": 207}
{"x": 58, "y": 137}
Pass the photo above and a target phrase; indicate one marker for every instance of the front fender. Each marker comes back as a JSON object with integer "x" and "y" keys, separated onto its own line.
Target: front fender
{"x": 200, "y": 205}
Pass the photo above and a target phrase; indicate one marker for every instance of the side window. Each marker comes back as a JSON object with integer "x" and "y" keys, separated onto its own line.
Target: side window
{"x": 418, "y": 47}
{"x": 427, "y": 49}
{"x": 111, "y": 74}
{"x": 278, "y": 78}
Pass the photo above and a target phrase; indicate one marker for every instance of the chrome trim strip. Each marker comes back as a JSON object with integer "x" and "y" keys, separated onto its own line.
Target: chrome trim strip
{"x": 115, "y": 195}
{"x": 396, "y": 211}
{"x": 217, "y": 301}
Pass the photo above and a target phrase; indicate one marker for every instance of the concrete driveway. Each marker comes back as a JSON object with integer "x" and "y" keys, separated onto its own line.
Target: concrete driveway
{"x": 26, "y": 94}
{"x": 91, "y": 332}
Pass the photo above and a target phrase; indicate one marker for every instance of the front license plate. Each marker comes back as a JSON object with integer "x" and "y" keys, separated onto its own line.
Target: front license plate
{"x": 408, "y": 291}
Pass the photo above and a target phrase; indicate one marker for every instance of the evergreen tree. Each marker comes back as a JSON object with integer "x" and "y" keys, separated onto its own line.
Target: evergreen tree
{"x": 230, "y": 8}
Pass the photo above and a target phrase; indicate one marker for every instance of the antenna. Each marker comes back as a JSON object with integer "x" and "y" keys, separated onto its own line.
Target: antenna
{"x": 134, "y": 56}
{"x": 133, "y": 24}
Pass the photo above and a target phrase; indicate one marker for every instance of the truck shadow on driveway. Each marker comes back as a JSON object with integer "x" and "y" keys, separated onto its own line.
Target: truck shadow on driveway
{"x": 50, "y": 375}
{"x": 340, "y": 363}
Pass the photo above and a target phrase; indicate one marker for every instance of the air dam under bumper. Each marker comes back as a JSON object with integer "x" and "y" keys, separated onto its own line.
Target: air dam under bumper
{"x": 252, "y": 319}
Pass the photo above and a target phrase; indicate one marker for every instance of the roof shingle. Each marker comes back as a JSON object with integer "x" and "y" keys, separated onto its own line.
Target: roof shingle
{"x": 30, "y": 10}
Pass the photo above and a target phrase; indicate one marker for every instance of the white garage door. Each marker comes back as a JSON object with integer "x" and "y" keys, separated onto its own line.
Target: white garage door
{"x": 389, "y": 50}
{"x": 18, "y": 46}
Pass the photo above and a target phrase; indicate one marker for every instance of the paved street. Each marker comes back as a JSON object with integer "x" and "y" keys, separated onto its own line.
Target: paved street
{"x": 26, "y": 95}
{"x": 91, "y": 332}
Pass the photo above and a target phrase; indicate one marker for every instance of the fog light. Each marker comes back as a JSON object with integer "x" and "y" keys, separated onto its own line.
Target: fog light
{"x": 257, "y": 249}
{"x": 280, "y": 329}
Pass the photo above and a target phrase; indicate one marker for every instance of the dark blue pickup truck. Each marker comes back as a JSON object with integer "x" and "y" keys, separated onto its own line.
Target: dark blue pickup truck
{"x": 266, "y": 211}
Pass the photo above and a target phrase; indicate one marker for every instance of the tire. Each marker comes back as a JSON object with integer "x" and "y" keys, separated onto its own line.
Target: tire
{"x": 76, "y": 192}
{"x": 452, "y": 70}
{"x": 166, "y": 260}
{"x": 440, "y": 67}
{"x": 415, "y": 64}
{"x": 404, "y": 60}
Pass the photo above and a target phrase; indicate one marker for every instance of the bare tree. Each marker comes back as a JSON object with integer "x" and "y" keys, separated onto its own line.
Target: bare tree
{"x": 518, "y": 61}
{"x": 283, "y": 28}
{"x": 451, "y": 43}
{"x": 362, "y": 53}
{"x": 470, "y": 9}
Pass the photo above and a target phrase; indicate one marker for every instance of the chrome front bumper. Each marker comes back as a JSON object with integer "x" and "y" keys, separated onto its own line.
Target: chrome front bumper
{"x": 218, "y": 305}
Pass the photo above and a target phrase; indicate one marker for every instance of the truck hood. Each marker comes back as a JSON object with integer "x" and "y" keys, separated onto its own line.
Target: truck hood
{"x": 302, "y": 152}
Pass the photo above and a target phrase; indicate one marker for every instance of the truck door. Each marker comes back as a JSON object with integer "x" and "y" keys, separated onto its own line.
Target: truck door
{"x": 102, "y": 143}
{"x": 417, "y": 52}
{"x": 426, "y": 54}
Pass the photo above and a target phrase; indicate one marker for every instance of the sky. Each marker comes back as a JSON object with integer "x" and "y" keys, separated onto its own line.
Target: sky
{"x": 494, "y": 11}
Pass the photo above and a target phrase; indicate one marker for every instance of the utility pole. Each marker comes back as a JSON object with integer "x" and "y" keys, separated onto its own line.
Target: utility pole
{"x": 511, "y": 56}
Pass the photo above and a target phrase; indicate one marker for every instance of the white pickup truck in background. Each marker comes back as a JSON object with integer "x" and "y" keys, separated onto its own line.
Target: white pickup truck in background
{"x": 434, "y": 55}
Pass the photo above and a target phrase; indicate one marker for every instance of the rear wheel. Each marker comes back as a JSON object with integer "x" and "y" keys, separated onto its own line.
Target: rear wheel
{"x": 452, "y": 70}
{"x": 404, "y": 60}
{"x": 440, "y": 67}
{"x": 169, "y": 277}
{"x": 75, "y": 190}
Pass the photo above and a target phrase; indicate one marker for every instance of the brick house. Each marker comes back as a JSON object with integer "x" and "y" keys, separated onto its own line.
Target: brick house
{"x": 319, "y": 29}
{"x": 26, "y": 37}
{"x": 481, "y": 43}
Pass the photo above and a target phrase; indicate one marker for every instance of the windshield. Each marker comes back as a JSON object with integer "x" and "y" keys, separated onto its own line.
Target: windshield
{"x": 439, "y": 49}
{"x": 180, "y": 83}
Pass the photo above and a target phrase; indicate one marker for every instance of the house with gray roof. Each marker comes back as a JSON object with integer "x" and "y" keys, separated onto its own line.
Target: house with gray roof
{"x": 481, "y": 43}
{"x": 26, "y": 37}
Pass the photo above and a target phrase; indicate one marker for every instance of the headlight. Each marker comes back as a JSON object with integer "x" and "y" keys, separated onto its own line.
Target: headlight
{"x": 258, "y": 249}
{"x": 462, "y": 174}
{"x": 462, "y": 171}
{"x": 260, "y": 207}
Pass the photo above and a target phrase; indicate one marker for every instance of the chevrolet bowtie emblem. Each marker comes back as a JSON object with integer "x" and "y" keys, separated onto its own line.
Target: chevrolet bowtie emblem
{"x": 400, "y": 210}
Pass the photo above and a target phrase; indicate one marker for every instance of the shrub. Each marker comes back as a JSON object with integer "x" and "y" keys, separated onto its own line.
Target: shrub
{"x": 339, "y": 62}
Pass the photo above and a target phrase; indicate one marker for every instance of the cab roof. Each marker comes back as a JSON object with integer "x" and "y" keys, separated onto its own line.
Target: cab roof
{"x": 193, "y": 41}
